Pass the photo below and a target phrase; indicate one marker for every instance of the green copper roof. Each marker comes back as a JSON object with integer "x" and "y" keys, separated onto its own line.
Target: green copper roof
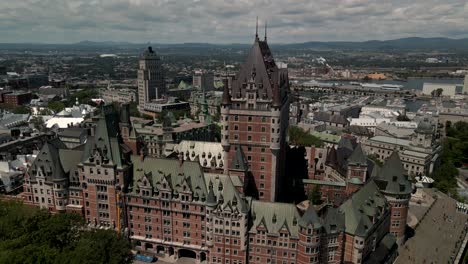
{"x": 275, "y": 217}
{"x": 361, "y": 208}
{"x": 392, "y": 178}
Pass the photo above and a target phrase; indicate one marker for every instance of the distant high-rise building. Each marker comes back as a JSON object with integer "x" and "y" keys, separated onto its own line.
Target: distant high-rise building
{"x": 151, "y": 84}
{"x": 203, "y": 80}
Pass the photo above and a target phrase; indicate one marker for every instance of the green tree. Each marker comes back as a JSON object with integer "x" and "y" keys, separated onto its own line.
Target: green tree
{"x": 99, "y": 246}
{"x": 38, "y": 123}
{"x": 314, "y": 195}
{"x": 56, "y": 106}
{"x": 299, "y": 137}
{"x": 30, "y": 235}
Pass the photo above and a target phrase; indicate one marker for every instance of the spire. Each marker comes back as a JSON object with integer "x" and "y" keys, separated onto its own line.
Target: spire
{"x": 265, "y": 31}
{"x": 256, "y": 30}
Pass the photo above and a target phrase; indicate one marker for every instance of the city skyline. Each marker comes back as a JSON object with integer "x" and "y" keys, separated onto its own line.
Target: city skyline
{"x": 141, "y": 21}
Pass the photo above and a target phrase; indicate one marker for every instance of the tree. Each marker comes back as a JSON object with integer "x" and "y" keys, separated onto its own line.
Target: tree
{"x": 314, "y": 195}
{"x": 30, "y": 235}
{"x": 299, "y": 137}
{"x": 38, "y": 123}
{"x": 56, "y": 106}
{"x": 99, "y": 246}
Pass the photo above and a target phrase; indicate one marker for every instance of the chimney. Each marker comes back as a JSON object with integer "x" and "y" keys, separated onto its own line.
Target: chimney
{"x": 181, "y": 159}
{"x": 142, "y": 154}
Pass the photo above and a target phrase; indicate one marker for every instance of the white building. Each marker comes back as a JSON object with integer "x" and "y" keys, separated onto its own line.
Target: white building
{"x": 381, "y": 110}
{"x": 449, "y": 89}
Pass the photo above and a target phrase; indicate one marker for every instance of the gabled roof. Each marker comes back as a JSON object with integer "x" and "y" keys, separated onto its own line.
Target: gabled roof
{"x": 333, "y": 221}
{"x": 364, "y": 208}
{"x": 48, "y": 162}
{"x": 261, "y": 69}
{"x": 358, "y": 157}
{"x": 275, "y": 216}
{"x": 239, "y": 162}
{"x": 106, "y": 140}
{"x": 392, "y": 178}
{"x": 173, "y": 171}
{"x": 310, "y": 217}
{"x": 223, "y": 185}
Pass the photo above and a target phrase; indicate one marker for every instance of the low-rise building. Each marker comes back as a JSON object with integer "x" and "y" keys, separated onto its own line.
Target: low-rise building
{"x": 419, "y": 155}
{"x": 119, "y": 95}
{"x": 17, "y": 98}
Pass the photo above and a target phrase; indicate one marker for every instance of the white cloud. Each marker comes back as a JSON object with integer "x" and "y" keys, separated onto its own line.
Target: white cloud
{"x": 216, "y": 21}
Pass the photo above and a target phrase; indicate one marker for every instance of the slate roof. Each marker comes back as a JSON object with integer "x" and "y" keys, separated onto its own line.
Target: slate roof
{"x": 358, "y": 157}
{"x": 362, "y": 207}
{"x": 55, "y": 161}
{"x": 275, "y": 217}
{"x": 70, "y": 158}
{"x": 260, "y": 68}
{"x": 392, "y": 178}
{"x": 74, "y": 132}
{"x": 310, "y": 217}
{"x": 333, "y": 221}
{"x": 224, "y": 187}
{"x": 106, "y": 141}
{"x": 239, "y": 162}
{"x": 172, "y": 171}
{"x": 329, "y": 118}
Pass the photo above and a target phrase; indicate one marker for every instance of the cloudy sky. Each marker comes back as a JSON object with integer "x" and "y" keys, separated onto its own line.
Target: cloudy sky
{"x": 230, "y": 21}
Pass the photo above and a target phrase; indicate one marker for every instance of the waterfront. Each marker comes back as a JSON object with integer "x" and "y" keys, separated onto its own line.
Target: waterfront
{"x": 413, "y": 83}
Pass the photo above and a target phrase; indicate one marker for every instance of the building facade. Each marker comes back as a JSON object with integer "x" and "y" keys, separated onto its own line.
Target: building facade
{"x": 203, "y": 80}
{"x": 420, "y": 154}
{"x": 151, "y": 84}
{"x": 254, "y": 114}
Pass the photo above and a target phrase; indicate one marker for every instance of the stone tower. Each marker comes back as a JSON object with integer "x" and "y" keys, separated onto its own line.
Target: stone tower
{"x": 255, "y": 118}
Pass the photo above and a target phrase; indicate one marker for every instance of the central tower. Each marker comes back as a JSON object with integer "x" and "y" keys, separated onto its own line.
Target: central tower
{"x": 255, "y": 120}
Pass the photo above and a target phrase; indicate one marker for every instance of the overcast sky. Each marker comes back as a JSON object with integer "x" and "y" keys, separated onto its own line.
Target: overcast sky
{"x": 230, "y": 21}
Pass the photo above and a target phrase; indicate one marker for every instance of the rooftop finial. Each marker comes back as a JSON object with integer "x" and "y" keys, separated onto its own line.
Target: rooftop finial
{"x": 256, "y": 29}
{"x": 265, "y": 31}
